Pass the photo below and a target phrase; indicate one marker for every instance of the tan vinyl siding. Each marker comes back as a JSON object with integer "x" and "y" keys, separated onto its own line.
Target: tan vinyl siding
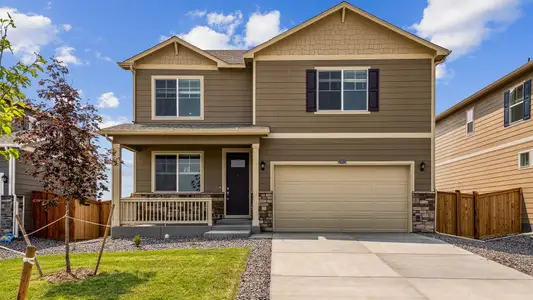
{"x": 490, "y": 172}
{"x": 405, "y": 98}
{"x": 484, "y": 172}
{"x": 167, "y": 55}
{"x": 227, "y": 95}
{"x": 418, "y": 150}
{"x": 357, "y": 35}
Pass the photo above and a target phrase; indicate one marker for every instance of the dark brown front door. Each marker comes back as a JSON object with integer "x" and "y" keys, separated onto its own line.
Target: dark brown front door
{"x": 237, "y": 184}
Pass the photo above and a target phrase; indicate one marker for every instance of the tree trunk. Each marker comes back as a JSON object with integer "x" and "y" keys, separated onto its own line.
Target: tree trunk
{"x": 67, "y": 237}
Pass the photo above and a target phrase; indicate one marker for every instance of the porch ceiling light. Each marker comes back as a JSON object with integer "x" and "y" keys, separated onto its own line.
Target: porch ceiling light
{"x": 4, "y": 178}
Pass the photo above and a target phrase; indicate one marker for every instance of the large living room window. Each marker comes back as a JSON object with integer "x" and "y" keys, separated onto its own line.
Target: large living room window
{"x": 178, "y": 172}
{"x": 343, "y": 90}
{"x": 516, "y": 104}
{"x": 176, "y": 98}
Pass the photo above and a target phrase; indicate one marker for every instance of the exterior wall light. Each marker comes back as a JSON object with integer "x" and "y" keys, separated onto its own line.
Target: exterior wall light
{"x": 4, "y": 178}
{"x": 263, "y": 165}
{"x": 422, "y": 166}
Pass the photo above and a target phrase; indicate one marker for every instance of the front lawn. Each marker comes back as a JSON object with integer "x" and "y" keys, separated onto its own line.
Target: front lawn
{"x": 162, "y": 274}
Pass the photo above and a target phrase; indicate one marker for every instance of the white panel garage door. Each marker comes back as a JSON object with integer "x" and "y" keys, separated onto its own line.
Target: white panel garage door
{"x": 341, "y": 198}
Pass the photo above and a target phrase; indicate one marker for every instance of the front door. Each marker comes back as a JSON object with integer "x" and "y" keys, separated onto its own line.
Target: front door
{"x": 237, "y": 184}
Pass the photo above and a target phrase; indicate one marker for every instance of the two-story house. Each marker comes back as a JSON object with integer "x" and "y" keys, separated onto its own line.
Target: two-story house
{"x": 484, "y": 143}
{"x": 328, "y": 126}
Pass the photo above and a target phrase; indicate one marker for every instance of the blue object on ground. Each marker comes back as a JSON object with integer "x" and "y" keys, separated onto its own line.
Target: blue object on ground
{"x": 8, "y": 237}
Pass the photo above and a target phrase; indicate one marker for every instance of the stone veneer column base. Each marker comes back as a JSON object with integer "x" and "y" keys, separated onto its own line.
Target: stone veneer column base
{"x": 423, "y": 212}
{"x": 6, "y": 215}
{"x": 265, "y": 211}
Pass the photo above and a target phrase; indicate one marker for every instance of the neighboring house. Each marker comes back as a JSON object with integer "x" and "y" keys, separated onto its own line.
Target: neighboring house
{"x": 15, "y": 184}
{"x": 484, "y": 143}
{"x": 326, "y": 127}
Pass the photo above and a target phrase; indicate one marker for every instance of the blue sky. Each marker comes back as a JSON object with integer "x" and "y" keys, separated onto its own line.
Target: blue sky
{"x": 489, "y": 38}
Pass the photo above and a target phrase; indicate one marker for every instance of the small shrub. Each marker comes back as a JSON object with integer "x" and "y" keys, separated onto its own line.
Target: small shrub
{"x": 137, "y": 240}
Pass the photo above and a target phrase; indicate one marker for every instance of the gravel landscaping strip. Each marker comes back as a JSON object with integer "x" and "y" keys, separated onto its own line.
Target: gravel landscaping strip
{"x": 514, "y": 251}
{"x": 255, "y": 282}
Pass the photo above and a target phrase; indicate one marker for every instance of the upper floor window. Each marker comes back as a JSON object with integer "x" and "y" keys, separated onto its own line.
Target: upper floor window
{"x": 470, "y": 121}
{"x": 516, "y": 104}
{"x": 343, "y": 90}
{"x": 177, "y": 98}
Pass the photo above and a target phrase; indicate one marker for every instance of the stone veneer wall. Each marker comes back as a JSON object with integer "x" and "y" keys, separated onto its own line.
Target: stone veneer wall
{"x": 266, "y": 214}
{"x": 6, "y": 214}
{"x": 216, "y": 198}
{"x": 423, "y": 212}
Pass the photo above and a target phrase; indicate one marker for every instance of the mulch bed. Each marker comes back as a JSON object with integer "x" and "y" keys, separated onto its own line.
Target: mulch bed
{"x": 75, "y": 275}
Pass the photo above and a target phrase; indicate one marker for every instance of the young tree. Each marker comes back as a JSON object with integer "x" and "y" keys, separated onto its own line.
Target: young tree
{"x": 67, "y": 159}
{"x": 12, "y": 81}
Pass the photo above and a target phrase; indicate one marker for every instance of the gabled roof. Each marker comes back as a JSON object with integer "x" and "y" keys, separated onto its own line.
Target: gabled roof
{"x": 214, "y": 55}
{"x": 345, "y": 5}
{"x": 489, "y": 88}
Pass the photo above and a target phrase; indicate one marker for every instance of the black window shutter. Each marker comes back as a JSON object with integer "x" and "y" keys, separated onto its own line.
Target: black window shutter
{"x": 310, "y": 87}
{"x": 527, "y": 100}
{"x": 373, "y": 90}
{"x": 506, "y": 109}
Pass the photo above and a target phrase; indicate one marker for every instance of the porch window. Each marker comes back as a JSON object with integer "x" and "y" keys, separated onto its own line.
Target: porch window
{"x": 178, "y": 97}
{"x": 180, "y": 172}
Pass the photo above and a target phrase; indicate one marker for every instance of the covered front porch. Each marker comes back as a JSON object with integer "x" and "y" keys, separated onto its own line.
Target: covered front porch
{"x": 186, "y": 179}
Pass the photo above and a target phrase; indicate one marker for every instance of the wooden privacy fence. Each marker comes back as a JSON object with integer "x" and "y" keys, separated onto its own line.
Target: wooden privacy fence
{"x": 479, "y": 215}
{"x": 92, "y": 211}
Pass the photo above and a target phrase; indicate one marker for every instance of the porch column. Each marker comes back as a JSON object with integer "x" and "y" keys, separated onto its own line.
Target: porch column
{"x": 255, "y": 187}
{"x": 116, "y": 179}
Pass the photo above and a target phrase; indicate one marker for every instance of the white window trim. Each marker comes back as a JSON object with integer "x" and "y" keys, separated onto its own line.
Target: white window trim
{"x": 341, "y": 111}
{"x": 518, "y": 103}
{"x": 176, "y": 77}
{"x": 177, "y": 153}
{"x": 530, "y": 153}
{"x": 473, "y": 123}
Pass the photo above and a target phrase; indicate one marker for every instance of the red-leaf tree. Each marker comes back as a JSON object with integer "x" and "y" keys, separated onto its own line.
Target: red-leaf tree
{"x": 67, "y": 159}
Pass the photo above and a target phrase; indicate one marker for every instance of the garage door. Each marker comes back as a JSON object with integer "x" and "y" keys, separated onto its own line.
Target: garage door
{"x": 341, "y": 198}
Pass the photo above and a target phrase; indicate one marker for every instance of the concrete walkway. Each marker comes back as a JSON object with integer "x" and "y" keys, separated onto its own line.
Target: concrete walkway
{"x": 386, "y": 266}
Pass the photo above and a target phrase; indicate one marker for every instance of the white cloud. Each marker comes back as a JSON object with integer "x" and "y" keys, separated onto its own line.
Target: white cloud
{"x": 462, "y": 26}
{"x": 108, "y": 121}
{"x": 32, "y": 33}
{"x": 228, "y": 23}
{"x": 262, "y": 27}
{"x": 66, "y": 56}
{"x": 102, "y": 57}
{"x": 108, "y": 100}
{"x": 206, "y": 38}
{"x": 66, "y": 27}
{"x": 196, "y": 13}
{"x": 220, "y": 31}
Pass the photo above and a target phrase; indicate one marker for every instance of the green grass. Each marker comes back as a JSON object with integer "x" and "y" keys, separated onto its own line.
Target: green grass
{"x": 164, "y": 274}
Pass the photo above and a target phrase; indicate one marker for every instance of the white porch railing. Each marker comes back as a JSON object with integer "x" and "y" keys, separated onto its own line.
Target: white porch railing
{"x": 166, "y": 211}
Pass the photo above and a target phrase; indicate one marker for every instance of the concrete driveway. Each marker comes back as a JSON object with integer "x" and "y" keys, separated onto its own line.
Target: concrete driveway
{"x": 386, "y": 266}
